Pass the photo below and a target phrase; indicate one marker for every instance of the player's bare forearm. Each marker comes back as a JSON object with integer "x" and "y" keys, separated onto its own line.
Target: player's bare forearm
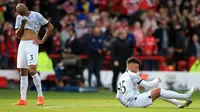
{"x": 48, "y": 32}
{"x": 20, "y": 31}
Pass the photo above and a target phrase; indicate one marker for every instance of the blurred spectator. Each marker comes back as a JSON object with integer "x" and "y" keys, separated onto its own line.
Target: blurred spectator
{"x": 72, "y": 43}
{"x": 86, "y": 5}
{"x": 89, "y": 21}
{"x": 137, "y": 31}
{"x": 53, "y": 12}
{"x": 81, "y": 14}
{"x": 69, "y": 6}
{"x": 195, "y": 27}
{"x": 171, "y": 5}
{"x": 149, "y": 44}
{"x": 163, "y": 35}
{"x": 149, "y": 48}
{"x": 56, "y": 42}
{"x": 68, "y": 71}
{"x": 81, "y": 30}
{"x": 9, "y": 12}
{"x": 45, "y": 63}
{"x": 103, "y": 4}
{"x": 180, "y": 45}
{"x": 150, "y": 21}
{"x": 2, "y": 9}
{"x": 131, "y": 38}
{"x": 84, "y": 40}
{"x": 3, "y": 53}
{"x": 96, "y": 15}
{"x": 95, "y": 56}
{"x": 121, "y": 50}
{"x": 196, "y": 66}
{"x": 193, "y": 48}
{"x": 64, "y": 35}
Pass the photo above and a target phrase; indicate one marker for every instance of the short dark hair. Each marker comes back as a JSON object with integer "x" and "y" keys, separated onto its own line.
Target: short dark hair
{"x": 133, "y": 60}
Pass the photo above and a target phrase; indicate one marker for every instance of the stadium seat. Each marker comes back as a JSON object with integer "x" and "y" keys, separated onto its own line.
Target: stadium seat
{"x": 3, "y": 82}
{"x": 182, "y": 65}
{"x": 52, "y": 78}
{"x": 191, "y": 60}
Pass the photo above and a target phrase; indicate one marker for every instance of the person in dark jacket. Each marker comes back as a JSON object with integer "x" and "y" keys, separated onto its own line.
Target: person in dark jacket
{"x": 121, "y": 50}
{"x": 193, "y": 48}
{"x": 164, "y": 38}
{"x": 95, "y": 56}
{"x": 72, "y": 43}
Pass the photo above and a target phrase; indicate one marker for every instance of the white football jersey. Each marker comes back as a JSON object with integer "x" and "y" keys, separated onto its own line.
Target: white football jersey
{"x": 34, "y": 21}
{"x": 128, "y": 86}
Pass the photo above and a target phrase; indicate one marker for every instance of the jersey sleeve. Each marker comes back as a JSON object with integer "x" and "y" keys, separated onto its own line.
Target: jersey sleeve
{"x": 18, "y": 22}
{"x": 42, "y": 20}
{"x": 136, "y": 79}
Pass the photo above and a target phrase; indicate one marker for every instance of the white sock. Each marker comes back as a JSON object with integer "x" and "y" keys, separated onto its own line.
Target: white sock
{"x": 173, "y": 101}
{"x": 37, "y": 82}
{"x": 172, "y": 95}
{"x": 23, "y": 87}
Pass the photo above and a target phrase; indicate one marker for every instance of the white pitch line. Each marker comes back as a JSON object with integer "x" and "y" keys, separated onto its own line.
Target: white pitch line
{"x": 78, "y": 106}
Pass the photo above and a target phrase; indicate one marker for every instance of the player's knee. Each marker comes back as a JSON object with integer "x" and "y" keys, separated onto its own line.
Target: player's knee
{"x": 23, "y": 72}
{"x": 32, "y": 70}
{"x": 158, "y": 91}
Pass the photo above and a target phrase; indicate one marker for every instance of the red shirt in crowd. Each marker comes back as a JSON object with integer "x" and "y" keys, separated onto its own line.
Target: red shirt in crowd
{"x": 149, "y": 45}
{"x": 103, "y": 4}
{"x": 11, "y": 42}
{"x": 2, "y": 48}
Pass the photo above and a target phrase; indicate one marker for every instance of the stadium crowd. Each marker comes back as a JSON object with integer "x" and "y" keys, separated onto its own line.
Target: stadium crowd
{"x": 169, "y": 28}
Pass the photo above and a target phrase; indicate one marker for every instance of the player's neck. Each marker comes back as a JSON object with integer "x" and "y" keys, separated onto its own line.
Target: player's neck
{"x": 28, "y": 13}
{"x": 130, "y": 71}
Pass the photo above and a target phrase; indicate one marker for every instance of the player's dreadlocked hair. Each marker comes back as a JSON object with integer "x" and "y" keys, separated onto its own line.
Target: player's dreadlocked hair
{"x": 133, "y": 60}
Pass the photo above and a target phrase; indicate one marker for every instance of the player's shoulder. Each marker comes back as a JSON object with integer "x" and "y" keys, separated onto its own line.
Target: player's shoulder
{"x": 35, "y": 13}
{"x": 19, "y": 16}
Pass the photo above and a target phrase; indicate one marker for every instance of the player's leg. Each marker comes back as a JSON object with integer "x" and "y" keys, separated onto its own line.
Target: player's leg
{"x": 143, "y": 100}
{"x": 22, "y": 64}
{"x": 23, "y": 86}
{"x": 175, "y": 95}
{"x": 178, "y": 103}
{"x": 155, "y": 93}
{"x": 32, "y": 56}
{"x": 37, "y": 83}
{"x": 170, "y": 96}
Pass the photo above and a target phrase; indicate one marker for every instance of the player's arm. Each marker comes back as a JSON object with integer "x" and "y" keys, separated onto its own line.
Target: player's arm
{"x": 48, "y": 32}
{"x": 149, "y": 84}
{"x": 20, "y": 29}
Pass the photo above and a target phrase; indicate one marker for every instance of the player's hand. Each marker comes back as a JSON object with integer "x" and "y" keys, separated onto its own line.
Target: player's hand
{"x": 159, "y": 79}
{"x": 24, "y": 21}
{"x": 38, "y": 41}
{"x": 116, "y": 63}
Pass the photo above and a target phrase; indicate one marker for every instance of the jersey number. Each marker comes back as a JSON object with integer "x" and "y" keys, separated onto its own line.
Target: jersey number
{"x": 122, "y": 87}
{"x": 31, "y": 57}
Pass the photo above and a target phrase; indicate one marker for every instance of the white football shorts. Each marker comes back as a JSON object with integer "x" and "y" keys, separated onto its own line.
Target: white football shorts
{"x": 143, "y": 100}
{"x": 27, "y": 54}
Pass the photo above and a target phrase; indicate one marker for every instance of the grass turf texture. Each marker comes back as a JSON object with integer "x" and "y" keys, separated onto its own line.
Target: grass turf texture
{"x": 102, "y": 101}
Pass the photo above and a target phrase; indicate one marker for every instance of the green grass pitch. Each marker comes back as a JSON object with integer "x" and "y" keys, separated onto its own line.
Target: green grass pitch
{"x": 102, "y": 101}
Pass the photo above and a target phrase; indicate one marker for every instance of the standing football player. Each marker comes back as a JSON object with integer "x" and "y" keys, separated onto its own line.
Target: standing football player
{"x": 27, "y": 26}
{"x": 129, "y": 95}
